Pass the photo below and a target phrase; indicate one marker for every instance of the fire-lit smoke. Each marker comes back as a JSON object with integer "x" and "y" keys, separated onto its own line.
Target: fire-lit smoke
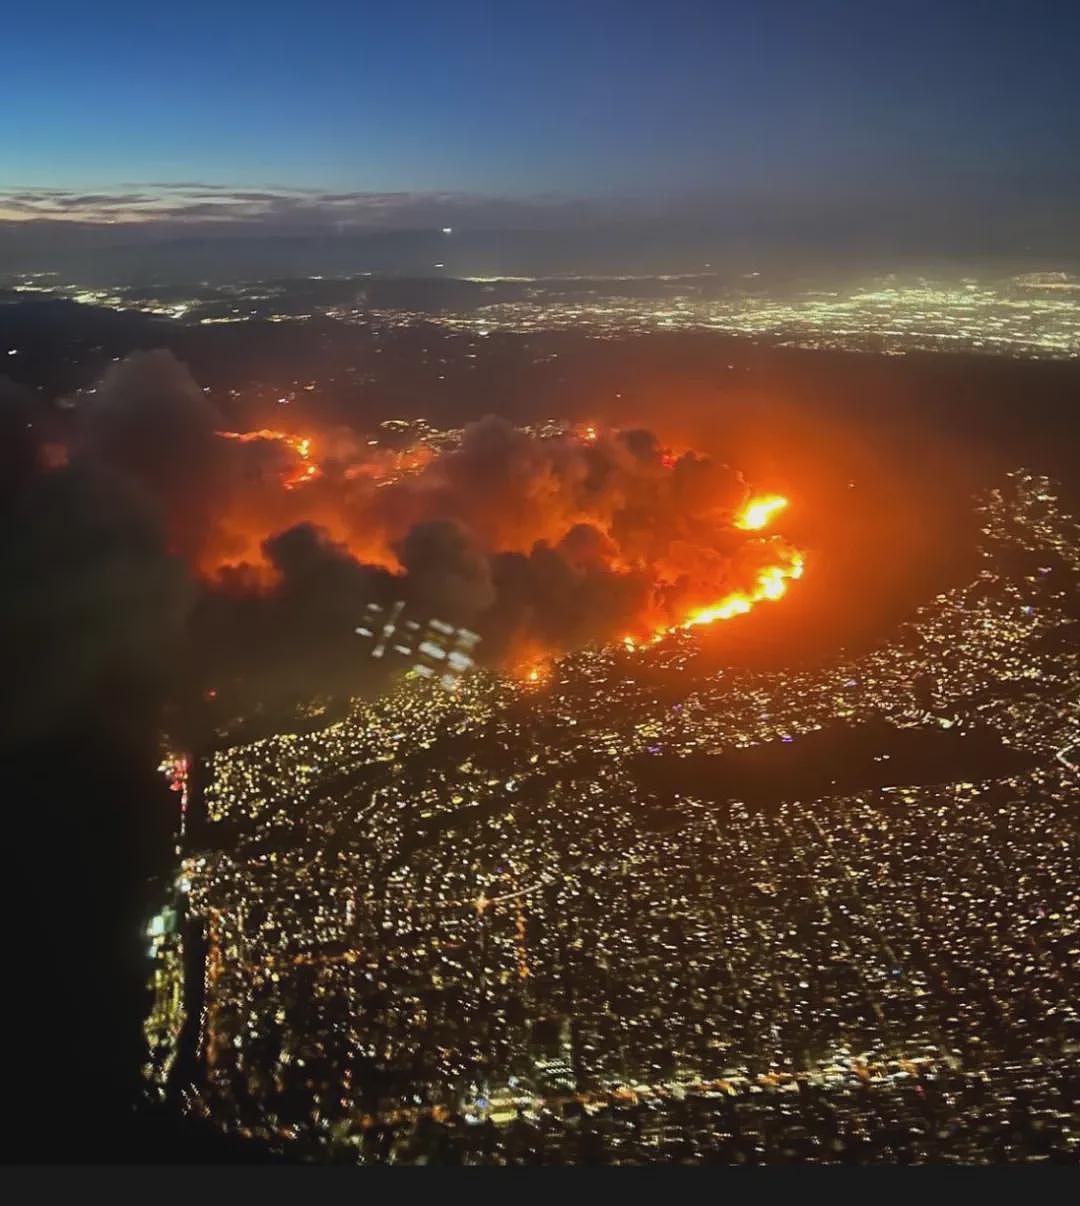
{"x": 306, "y": 471}
{"x": 541, "y": 542}
{"x": 771, "y": 584}
{"x": 544, "y": 543}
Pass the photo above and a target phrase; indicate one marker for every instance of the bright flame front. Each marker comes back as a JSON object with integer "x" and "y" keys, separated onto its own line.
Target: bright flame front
{"x": 758, "y": 512}
{"x": 771, "y": 584}
{"x": 306, "y": 471}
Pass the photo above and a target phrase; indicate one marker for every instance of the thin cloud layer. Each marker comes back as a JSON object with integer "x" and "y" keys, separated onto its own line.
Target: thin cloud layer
{"x": 194, "y": 203}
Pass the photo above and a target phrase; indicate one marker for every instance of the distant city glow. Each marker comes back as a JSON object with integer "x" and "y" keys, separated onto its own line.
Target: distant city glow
{"x": 1031, "y": 314}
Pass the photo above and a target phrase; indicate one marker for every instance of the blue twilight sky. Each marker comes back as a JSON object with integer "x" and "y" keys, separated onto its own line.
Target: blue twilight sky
{"x": 814, "y": 99}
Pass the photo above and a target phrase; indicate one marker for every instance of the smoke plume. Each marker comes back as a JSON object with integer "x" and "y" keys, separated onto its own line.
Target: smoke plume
{"x": 147, "y": 537}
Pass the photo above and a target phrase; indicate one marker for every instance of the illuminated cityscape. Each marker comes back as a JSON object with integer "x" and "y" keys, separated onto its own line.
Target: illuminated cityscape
{"x": 525, "y": 921}
{"x": 1030, "y": 314}
{"x": 1016, "y": 320}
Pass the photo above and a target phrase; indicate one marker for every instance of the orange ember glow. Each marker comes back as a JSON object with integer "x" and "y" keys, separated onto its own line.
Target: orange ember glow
{"x": 758, "y": 512}
{"x": 53, "y": 456}
{"x": 533, "y": 673}
{"x": 305, "y": 472}
{"x": 771, "y": 585}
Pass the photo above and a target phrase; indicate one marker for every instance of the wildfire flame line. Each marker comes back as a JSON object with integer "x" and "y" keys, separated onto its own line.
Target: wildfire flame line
{"x": 771, "y": 584}
{"x": 758, "y": 512}
{"x": 307, "y": 470}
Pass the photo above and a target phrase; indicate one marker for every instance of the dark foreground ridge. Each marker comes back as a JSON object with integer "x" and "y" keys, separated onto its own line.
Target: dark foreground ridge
{"x": 836, "y": 760}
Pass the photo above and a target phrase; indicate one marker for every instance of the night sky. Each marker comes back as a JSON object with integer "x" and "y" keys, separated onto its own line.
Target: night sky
{"x": 346, "y": 111}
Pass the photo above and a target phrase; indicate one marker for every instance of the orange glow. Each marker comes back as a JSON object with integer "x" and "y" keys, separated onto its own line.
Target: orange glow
{"x": 307, "y": 470}
{"x": 771, "y": 585}
{"x": 758, "y": 512}
{"x": 385, "y": 466}
{"x": 53, "y": 456}
{"x": 681, "y": 542}
{"x": 533, "y": 673}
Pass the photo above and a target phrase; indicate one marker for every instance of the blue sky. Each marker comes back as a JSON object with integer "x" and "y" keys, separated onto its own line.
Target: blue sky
{"x": 673, "y": 98}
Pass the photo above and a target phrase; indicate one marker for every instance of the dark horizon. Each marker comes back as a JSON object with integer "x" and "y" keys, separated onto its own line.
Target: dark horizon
{"x": 132, "y": 256}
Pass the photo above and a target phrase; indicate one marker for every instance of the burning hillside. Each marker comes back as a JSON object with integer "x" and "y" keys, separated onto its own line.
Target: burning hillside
{"x": 541, "y": 540}
{"x": 566, "y": 537}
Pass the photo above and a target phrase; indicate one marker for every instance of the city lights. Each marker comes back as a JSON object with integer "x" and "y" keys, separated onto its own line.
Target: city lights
{"x": 522, "y": 922}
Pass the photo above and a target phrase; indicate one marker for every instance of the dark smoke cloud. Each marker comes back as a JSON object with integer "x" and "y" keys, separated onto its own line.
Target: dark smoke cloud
{"x": 18, "y": 442}
{"x": 445, "y": 568}
{"x": 151, "y": 425}
{"x": 586, "y": 547}
{"x": 510, "y": 490}
{"x": 92, "y": 605}
{"x": 547, "y": 601}
{"x": 269, "y": 647}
